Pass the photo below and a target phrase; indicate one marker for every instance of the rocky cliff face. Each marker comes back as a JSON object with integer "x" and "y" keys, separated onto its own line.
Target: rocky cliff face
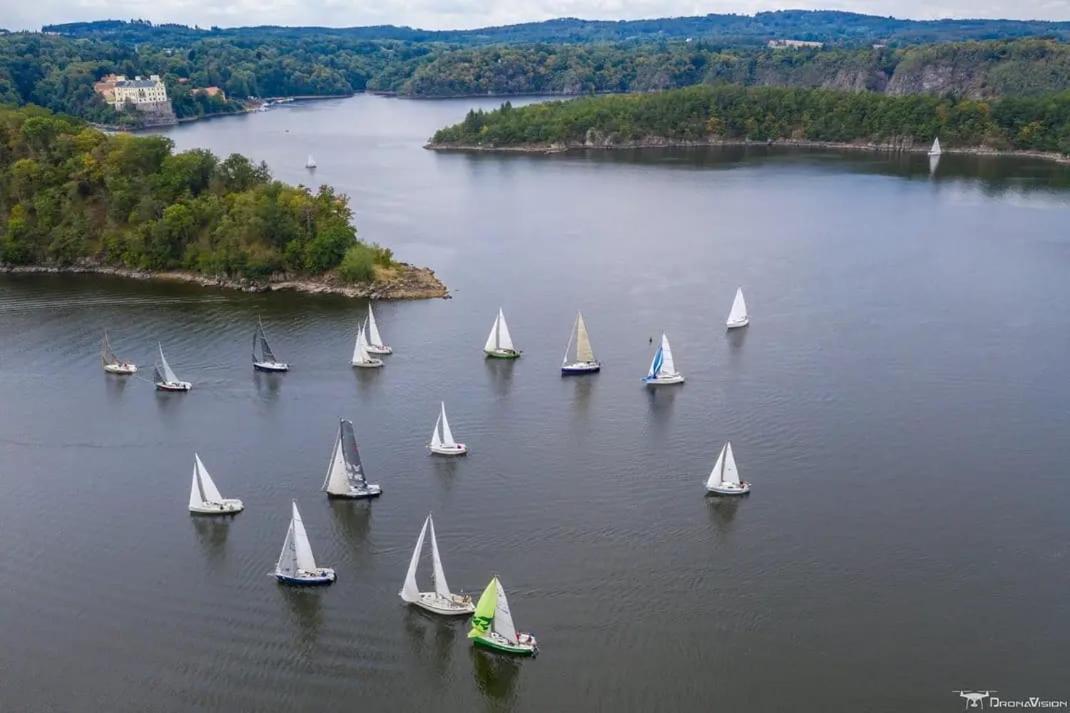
{"x": 946, "y": 77}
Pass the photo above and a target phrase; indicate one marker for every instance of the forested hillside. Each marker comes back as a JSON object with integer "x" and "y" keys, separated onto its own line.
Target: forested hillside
{"x": 701, "y": 114}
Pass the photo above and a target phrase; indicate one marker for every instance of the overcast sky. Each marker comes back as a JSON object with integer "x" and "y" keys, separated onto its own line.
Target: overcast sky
{"x": 446, "y": 14}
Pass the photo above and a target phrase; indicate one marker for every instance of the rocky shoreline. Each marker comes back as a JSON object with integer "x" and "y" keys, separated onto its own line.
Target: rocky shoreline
{"x": 599, "y": 142}
{"x": 403, "y": 281}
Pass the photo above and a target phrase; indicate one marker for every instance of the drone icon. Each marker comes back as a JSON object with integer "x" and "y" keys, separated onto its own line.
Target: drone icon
{"x": 975, "y": 699}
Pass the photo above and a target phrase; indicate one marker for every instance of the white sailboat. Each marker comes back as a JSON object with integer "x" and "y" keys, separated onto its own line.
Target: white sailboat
{"x": 579, "y": 357}
{"x": 361, "y": 357}
{"x": 662, "y": 368}
{"x": 935, "y": 150}
{"x": 724, "y": 478}
{"x": 443, "y": 444}
{"x": 265, "y": 360}
{"x": 296, "y": 564}
{"x": 375, "y": 343}
{"x": 345, "y": 474}
{"x": 442, "y": 600}
{"x": 204, "y": 496}
{"x": 499, "y": 342}
{"x": 310, "y": 162}
{"x": 113, "y": 364}
{"x": 165, "y": 378}
{"x": 492, "y": 624}
{"x": 737, "y": 316}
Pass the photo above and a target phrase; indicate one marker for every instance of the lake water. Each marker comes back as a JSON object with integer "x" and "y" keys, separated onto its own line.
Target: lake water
{"x": 900, "y": 402}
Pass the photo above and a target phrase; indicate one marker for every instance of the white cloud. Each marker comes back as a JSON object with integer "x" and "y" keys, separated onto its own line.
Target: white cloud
{"x": 445, "y": 14}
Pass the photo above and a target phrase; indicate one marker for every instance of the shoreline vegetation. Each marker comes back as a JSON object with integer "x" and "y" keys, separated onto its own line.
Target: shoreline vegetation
{"x": 76, "y": 199}
{"x": 731, "y": 115}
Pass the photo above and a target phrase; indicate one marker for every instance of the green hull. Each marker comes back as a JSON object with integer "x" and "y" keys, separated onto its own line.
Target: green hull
{"x": 503, "y": 648}
{"x": 502, "y": 355}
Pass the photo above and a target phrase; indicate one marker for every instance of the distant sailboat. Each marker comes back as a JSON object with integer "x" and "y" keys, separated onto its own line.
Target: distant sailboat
{"x": 444, "y": 444}
{"x": 204, "y": 496}
{"x": 164, "y": 378}
{"x": 375, "y": 343}
{"x": 579, "y": 357}
{"x": 662, "y": 368}
{"x": 936, "y": 150}
{"x": 113, "y": 364}
{"x": 500, "y": 342}
{"x": 296, "y": 564}
{"x": 442, "y": 600}
{"x": 361, "y": 357}
{"x": 345, "y": 474}
{"x": 724, "y": 478}
{"x": 492, "y": 624}
{"x": 311, "y": 162}
{"x": 738, "y": 316}
{"x": 265, "y": 360}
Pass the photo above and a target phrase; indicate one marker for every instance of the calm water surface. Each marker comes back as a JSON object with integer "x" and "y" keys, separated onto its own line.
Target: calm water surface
{"x": 900, "y": 403}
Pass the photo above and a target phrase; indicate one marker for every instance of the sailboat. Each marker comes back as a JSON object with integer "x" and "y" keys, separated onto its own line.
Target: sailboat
{"x": 345, "y": 474}
{"x": 113, "y": 364}
{"x": 204, "y": 497}
{"x": 579, "y": 357}
{"x": 936, "y": 150}
{"x": 724, "y": 478}
{"x": 375, "y": 343}
{"x": 499, "y": 342}
{"x": 442, "y": 600}
{"x": 361, "y": 357}
{"x": 266, "y": 360}
{"x": 296, "y": 564}
{"x": 492, "y": 624}
{"x": 443, "y": 444}
{"x": 311, "y": 162}
{"x": 164, "y": 378}
{"x": 662, "y": 368}
{"x": 737, "y": 316}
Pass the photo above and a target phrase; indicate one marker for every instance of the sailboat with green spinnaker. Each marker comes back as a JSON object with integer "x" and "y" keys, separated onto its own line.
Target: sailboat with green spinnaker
{"x": 492, "y": 625}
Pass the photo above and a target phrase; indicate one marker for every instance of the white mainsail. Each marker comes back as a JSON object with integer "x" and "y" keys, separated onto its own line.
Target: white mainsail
{"x": 724, "y": 470}
{"x": 374, "y": 338}
{"x": 345, "y": 470}
{"x": 302, "y": 547}
{"x": 503, "y": 618}
{"x": 165, "y": 368}
{"x": 337, "y": 480}
{"x": 310, "y": 162}
{"x": 203, "y": 489}
{"x": 583, "y": 341}
{"x": 738, "y": 312}
{"x": 436, "y": 442}
{"x": 106, "y": 354}
{"x": 442, "y": 588}
{"x": 409, "y": 591}
{"x": 936, "y": 150}
{"x": 499, "y": 337}
{"x": 668, "y": 367}
{"x": 360, "y": 348}
{"x": 447, "y": 434}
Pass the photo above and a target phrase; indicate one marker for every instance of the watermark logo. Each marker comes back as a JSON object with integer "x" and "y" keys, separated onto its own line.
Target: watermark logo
{"x": 988, "y": 699}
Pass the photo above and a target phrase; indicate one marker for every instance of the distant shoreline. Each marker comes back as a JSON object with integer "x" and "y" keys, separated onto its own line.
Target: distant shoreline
{"x": 407, "y": 282}
{"x": 660, "y": 142}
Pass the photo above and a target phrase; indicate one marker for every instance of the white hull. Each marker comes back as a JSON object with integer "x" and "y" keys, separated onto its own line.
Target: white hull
{"x": 456, "y": 605}
{"x": 729, "y": 489}
{"x": 458, "y": 449}
{"x": 740, "y": 323}
{"x": 371, "y": 491}
{"x": 381, "y": 349}
{"x": 581, "y": 367}
{"x": 173, "y": 386}
{"x": 323, "y": 575}
{"x": 370, "y": 364}
{"x": 664, "y": 380}
{"x": 121, "y": 369}
{"x": 224, "y": 507}
{"x": 270, "y": 366}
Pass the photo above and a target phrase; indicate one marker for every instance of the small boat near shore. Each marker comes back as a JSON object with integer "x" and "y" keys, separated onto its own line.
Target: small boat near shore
{"x": 492, "y": 625}
{"x": 204, "y": 496}
{"x": 310, "y": 163}
{"x": 724, "y": 478}
{"x": 662, "y": 367}
{"x": 499, "y": 342}
{"x": 345, "y": 474}
{"x": 737, "y": 316}
{"x": 936, "y": 150}
{"x": 113, "y": 364}
{"x": 441, "y": 600}
{"x": 265, "y": 360}
{"x": 443, "y": 444}
{"x": 579, "y": 357}
{"x": 296, "y": 565}
{"x": 361, "y": 358}
{"x": 374, "y": 340}
{"x": 164, "y": 378}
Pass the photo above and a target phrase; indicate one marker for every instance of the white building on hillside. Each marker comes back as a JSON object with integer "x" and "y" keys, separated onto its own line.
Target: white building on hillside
{"x": 138, "y": 91}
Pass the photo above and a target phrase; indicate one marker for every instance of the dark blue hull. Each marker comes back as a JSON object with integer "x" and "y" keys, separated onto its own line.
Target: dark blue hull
{"x": 569, "y": 371}
{"x": 304, "y": 581}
